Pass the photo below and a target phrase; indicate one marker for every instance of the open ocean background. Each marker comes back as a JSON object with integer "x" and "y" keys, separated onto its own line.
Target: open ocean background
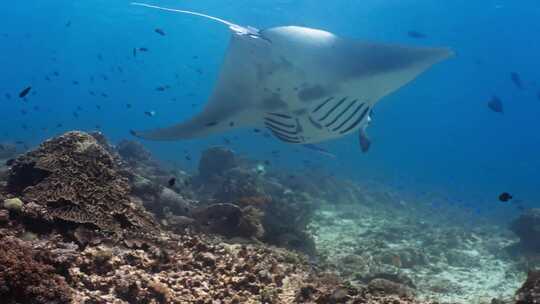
{"x": 435, "y": 135}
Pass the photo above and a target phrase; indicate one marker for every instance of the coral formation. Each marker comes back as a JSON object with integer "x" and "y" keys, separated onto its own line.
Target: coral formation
{"x": 76, "y": 179}
{"x": 24, "y": 279}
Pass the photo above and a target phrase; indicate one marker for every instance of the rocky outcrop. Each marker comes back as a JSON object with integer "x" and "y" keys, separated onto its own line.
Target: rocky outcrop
{"x": 529, "y": 293}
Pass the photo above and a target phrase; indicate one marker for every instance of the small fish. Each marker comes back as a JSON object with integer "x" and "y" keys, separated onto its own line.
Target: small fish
{"x": 505, "y": 197}
{"x": 496, "y": 105}
{"x": 7, "y": 96}
{"x": 416, "y": 35}
{"x": 75, "y": 114}
{"x": 516, "y": 79}
{"x": 59, "y": 125}
{"x": 128, "y": 106}
{"x": 133, "y": 133}
{"x": 143, "y": 49}
{"x": 150, "y": 113}
{"x": 75, "y": 82}
{"x": 256, "y": 130}
{"x": 68, "y": 24}
{"x": 47, "y": 78}
{"x": 104, "y": 95}
{"x": 188, "y": 157}
{"x": 100, "y": 57}
{"x": 160, "y": 88}
{"x": 55, "y": 73}
{"x": 171, "y": 182}
{"x": 160, "y": 31}
{"x": 211, "y": 124}
{"x": 231, "y": 124}
{"x": 24, "y": 112}
{"x": 92, "y": 93}
{"x": 98, "y": 107}
{"x": 25, "y": 92}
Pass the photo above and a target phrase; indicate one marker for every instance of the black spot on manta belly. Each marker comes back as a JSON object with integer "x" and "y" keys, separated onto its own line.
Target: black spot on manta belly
{"x": 312, "y": 93}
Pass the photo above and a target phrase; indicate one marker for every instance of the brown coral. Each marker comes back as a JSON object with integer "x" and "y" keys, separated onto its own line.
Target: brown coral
{"x": 23, "y": 279}
{"x": 75, "y": 178}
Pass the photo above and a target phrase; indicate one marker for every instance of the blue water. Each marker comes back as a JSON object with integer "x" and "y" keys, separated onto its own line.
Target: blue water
{"x": 434, "y": 135}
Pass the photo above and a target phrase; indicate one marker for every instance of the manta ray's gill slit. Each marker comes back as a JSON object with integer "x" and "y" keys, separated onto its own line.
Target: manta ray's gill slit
{"x": 357, "y": 122}
{"x": 349, "y": 118}
{"x": 333, "y": 109}
{"x": 322, "y": 105}
{"x": 286, "y": 138}
{"x": 278, "y": 129}
{"x": 341, "y": 114}
{"x": 279, "y": 123}
{"x": 280, "y": 115}
{"x": 314, "y": 123}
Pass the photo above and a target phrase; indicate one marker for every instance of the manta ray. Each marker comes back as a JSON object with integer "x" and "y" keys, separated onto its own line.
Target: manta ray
{"x": 304, "y": 85}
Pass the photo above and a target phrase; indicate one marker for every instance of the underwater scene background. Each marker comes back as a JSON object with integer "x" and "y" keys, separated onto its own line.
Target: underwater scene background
{"x": 441, "y": 157}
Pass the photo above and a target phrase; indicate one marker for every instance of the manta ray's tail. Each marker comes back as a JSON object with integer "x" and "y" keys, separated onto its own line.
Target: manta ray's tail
{"x": 232, "y": 26}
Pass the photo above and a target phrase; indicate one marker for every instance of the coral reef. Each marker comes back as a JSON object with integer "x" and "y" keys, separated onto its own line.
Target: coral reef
{"x": 24, "y": 279}
{"x": 83, "y": 221}
{"x": 75, "y": 178}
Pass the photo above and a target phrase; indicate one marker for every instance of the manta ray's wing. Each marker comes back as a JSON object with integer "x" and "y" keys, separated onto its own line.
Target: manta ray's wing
{"x": 231, "y": 105}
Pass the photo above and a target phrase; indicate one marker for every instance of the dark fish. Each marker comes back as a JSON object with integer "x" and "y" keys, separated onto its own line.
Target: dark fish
{"x": 188, "y": 157}
{"x": 211, "y": 124}
{"x": 171, "y": 182}
{"x": 92, "y": 93}
{"x": 416, "y": 35}
{"x": 516, "y": 79}
{"x": 24, "y": 112}
{"x": 104, "y": 77}
{"x": 104, "y": 95}
{"x": 160, "y": 31}
{"x": 267, "y": 163}
{"x": 505, "y": 197}
{"x": 75, "y": 82}
{"x": 25, "y": 92}
{"x": 231, "y": 124}
{"x": 59, "y": 125}
{"x": 68, "y": 24}
{"x": 128, "y": 106}
{"x": 47, "y": 78}
{"x": 495, "y": 104}
{"x": 75, "y": 114}
{"x": 55, "y": 73}
{"x": 160, "y": 88}
{"x": 143, "y": 49}
{"x": 132, "y": 132}
{"x": 150, "y": 113}
{"x": 79, "y": 108}
{"x": 98, "y": 107}
{"x": 256, "y": 130}
{"x": 100, "y": 57}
